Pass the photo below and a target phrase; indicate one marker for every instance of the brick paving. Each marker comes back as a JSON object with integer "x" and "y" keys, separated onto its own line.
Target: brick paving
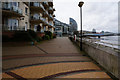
{"x": 7, "y": 51}
{"x": 60, "y": 57}
{"x": 50, "y": 69}
{"x": 39, "y": 60}
{"x": 88, "y": 75}
{"x": 6, "y": 76}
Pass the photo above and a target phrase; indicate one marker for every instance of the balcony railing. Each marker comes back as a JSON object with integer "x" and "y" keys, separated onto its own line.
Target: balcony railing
{"x": 42, "y": 6}
{"x": 6, "y": 28}
{"x": 51, "y": 16}
{"x": 51, "y": 24}
{"x": 43, "y": 19}
{"x": 47, "y": 13}
{"x": 12, "y": 8}
{"x": 35, "y": 18}
{"x": 50, "y": 9}
{"x": 39, "y": 18}
{"x": 37, "y": 5}
{"x": 45, "y": 4}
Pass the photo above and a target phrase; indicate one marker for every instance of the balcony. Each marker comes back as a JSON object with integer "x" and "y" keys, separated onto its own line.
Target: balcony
{"x": 12, "y": 28}
{"x": 51, "y": 25}
{"x": 45, "y": 14}
{"x": 50, "y": 10}
{"x": 50, "y": 4}
{"x": 50, "y": 17}
{"x": 36, "y": 7}
{"x": 11, "y": 11}
{"x": 45, "y": 4}
{"x": 27, "y": 3}
{"x": 38, "y": 20}
{"x": 45, "y": 23}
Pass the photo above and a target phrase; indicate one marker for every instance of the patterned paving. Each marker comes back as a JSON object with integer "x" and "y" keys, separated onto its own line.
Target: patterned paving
{"x": 41, "y": 60}
{"x": 57, "y": 58}
{"x": 4, "y": 75}
{"x": 50, "y": 69}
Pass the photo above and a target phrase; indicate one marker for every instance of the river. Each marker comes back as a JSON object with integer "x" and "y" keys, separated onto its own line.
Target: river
{"x": 112, "y": 41}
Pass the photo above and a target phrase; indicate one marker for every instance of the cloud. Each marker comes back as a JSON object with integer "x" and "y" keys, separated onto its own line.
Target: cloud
{"x": 98, "y": 15}
{"x": 101, "y": 16}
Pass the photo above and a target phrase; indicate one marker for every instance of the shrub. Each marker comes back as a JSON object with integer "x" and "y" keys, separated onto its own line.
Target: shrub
{"x": 5, "y": 38}
{"x": 22, "y": 36}
{"x": 46, "y": 37}
{"x": 33, "y": 34}
{"x": 39, "y": 39}
{"x": 54, "y": 35}
{"x": 49, "y": 33}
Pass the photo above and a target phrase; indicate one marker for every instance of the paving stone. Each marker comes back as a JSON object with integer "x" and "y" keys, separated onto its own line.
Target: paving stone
{"x": 88, "y": 75}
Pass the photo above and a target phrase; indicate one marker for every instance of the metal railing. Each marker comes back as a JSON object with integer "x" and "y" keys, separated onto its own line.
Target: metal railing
{"x": 12, "y": 8}
{"x": 39, "y": 18}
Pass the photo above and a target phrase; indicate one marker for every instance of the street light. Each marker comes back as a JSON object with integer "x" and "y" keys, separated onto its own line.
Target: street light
{"x": 80, "y": 5}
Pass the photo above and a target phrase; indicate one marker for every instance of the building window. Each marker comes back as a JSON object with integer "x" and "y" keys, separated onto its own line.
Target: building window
{"x": 16, "y": 4}
{"x": 35, "y": 28}
{"x": 26, "y": 10}
{"x": 36, "y": 16}
{"x": 36, "y": 4}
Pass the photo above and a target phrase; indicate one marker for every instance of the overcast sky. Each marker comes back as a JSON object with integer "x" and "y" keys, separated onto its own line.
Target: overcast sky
{"x": 96, "y": 14}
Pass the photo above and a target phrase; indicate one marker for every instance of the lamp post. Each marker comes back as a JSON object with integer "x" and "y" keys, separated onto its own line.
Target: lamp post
{"x": 80, "y": 5}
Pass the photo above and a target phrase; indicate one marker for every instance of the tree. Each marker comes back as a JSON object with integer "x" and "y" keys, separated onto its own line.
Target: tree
{"x": 102, "y": 31}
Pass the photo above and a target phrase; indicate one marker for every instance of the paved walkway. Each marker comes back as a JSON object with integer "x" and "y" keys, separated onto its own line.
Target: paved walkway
{"x": 57, "y": 58}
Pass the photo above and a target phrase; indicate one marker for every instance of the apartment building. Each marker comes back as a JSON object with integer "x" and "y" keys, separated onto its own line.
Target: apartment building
{"x": 14, "y": 16}
{"x": 42, "y": 16}
{"x": 61, "y": 28}
{"x": 37, "y": 16}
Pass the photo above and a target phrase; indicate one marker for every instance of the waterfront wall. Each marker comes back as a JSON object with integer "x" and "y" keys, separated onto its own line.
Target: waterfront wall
{"x": 106, "y": 56}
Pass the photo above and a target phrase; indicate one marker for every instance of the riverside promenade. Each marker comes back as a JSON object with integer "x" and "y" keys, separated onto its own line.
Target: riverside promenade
{"x": 56, "y": 58}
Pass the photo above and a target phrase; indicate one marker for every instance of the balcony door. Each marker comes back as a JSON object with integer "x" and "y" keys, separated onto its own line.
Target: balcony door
{"x": 35, "y": 28}
{"x": 13, "y": 24}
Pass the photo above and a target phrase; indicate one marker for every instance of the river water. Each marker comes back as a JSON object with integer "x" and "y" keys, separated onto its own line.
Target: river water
{"x": 112, "y": 41}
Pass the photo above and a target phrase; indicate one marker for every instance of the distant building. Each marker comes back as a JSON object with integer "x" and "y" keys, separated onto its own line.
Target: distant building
{"x": 61, "y": 28}
{"x": 94, "y": 31}
{"x": 73, "y": 25}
